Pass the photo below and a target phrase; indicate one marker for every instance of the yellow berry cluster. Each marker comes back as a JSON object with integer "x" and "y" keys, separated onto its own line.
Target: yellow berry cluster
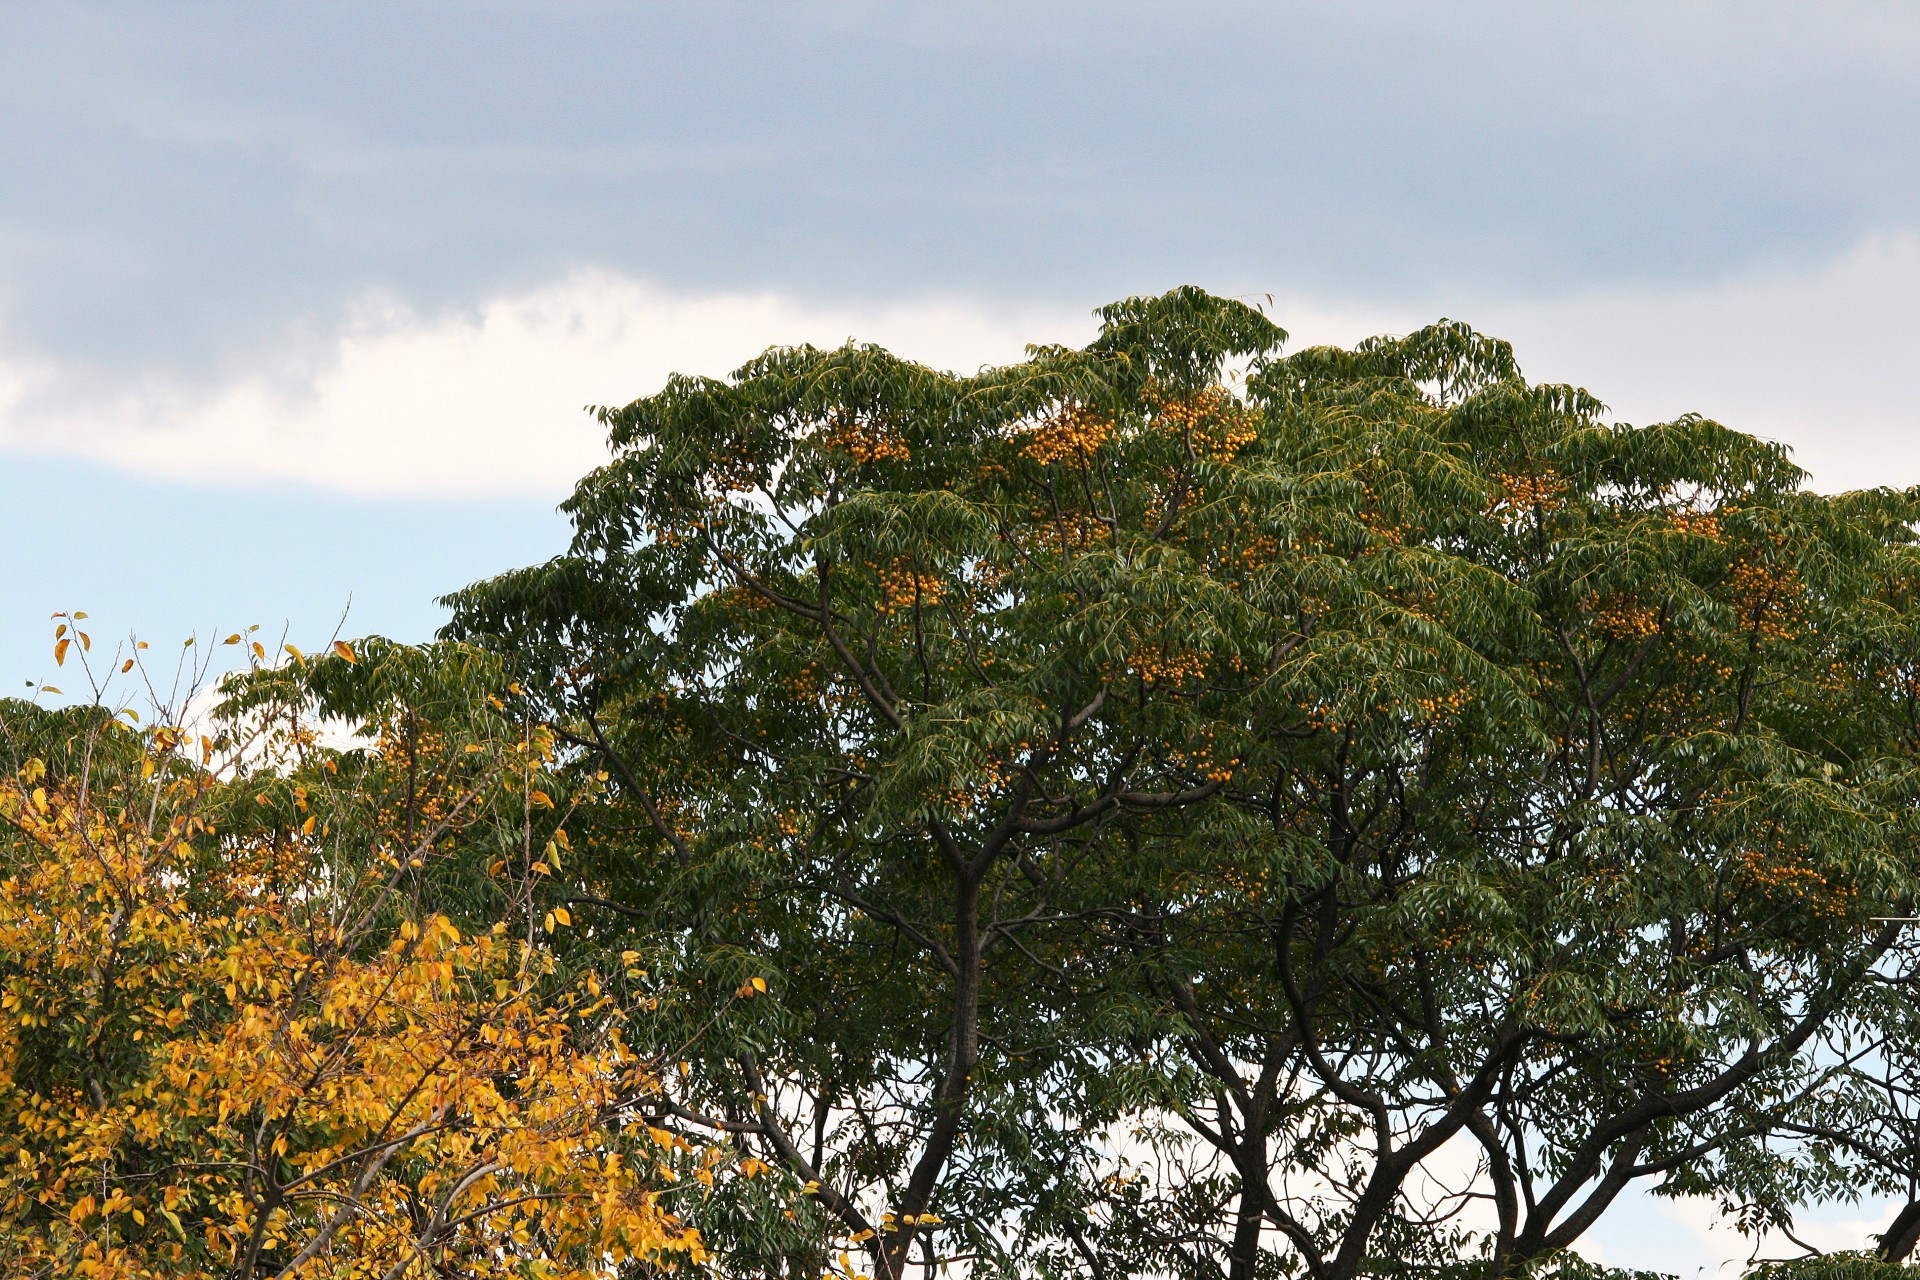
{"x": 998, "y": 775}
{"x": 1623, "y": 618}
{"x": 1697, "y": 524}
{"x": 421, "y": 751}
{"x": 901, "y": 585}
{"x": 1070, "y": 435}
{"x": 1155, "y": 664}
{"x": 865, "y": 440}
{"x": 1260, "y": 550}
{"x": 1377, "y": 522}
{"x": 1521, "y": 494}
{"x": 1059, "y": 534}
{"x": 1786, "y": 873}
{"x": 990, "y": 575}
{"x": 733, "y": 473}
{"x": 805, "y": 685}
{"x": 1765, "y": 594}
{"x": 1443, "y": 706}
{"x": 1205, "y": 760}
{"x": 1213, "y": 422}
{"x": 1249, "y": 884}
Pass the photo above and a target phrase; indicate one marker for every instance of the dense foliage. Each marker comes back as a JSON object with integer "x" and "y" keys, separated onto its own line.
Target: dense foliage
{"x": 1169, "y": 808}
{"x": 1203, "y": 831}
{"x": 241, "y": 1037}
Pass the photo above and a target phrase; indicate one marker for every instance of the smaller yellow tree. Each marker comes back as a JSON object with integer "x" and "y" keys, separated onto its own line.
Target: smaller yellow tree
{"x": 242, "y": 1048}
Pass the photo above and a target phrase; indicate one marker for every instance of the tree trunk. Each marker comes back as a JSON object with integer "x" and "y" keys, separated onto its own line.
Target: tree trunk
{"x": 1899, "y": 1239}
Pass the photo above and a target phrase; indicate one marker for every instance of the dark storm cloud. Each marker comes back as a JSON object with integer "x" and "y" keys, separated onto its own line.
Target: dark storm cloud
{"x": 184, "y": 182}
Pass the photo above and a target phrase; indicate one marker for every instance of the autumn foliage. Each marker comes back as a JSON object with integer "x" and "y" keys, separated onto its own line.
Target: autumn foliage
{"x": 235, "y": 1040}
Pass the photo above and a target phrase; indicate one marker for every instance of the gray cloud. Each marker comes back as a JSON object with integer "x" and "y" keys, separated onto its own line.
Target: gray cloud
{"x": 190, "y": 183}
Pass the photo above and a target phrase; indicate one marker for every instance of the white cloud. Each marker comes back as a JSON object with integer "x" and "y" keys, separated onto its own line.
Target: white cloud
{"x": 483, "y": 403}
{"x": 489, "y": 401}
{"x": 1816, "y": 356}
{"x": 1828, "y": 1228}
{"x": 1813, "y": 355}
{"x": 1819, "y": 359}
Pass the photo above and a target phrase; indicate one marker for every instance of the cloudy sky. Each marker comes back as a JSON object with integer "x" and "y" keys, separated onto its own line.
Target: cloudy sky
{"x": 299, "y": 303}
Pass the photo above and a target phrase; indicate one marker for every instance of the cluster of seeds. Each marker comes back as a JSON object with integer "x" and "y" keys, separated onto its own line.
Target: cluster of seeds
{"x": 1525, "y": 494}
{"x": 1205, "y": 760}
{"x": 734, "y": 472}
{"x": 997, "y": 777}
{"x": 1059, "y": 534}
{"x": 1155, "y": 664}
{"x": 1697, "y": 524}
{"x": 1623, "y": 618}
{"x": 1787, "y": 874}
{"x": 1766, "y": 596}
{"x": 421, "y": 751}
{"x": 1071, "y": 435}
{"x": 1444, "y": 706}
{"x": 864, "y": 440}
{"x": 903, "y": 586}
{"x": 1213, "y": 423}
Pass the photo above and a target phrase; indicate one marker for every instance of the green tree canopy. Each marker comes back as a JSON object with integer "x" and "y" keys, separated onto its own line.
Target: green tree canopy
{"x": 1179, "y": 820}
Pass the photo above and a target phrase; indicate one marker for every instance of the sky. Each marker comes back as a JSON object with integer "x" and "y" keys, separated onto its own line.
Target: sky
{"x": 300, "y": 304}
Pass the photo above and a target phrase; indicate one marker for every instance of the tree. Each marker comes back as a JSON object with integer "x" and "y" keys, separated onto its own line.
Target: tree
{"x": 1393, "y": 762}
{"x": 240, "y": 1037}
{"x": 854, "y": 637}
{"x": 1558, "y": 835}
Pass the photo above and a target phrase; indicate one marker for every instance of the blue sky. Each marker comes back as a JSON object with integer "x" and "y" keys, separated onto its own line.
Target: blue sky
{"x": 299, "y": 304}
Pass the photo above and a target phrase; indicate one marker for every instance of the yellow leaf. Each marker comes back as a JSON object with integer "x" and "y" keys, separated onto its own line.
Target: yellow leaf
{"x": 48, "y": 688}
{"x": 563, "y": 915}
{"x": 760, "y": 984}
{"x": 297, "y": 655}
{"x": 345, "y": 651}
{"x": 259, "y": 651}
{"x": 126, "y": 666}
{"x": 86, "y": 641}
{"x": 232, "y": 639}
{"x": 60, "y": 652}
{"x": 549, "y": 922}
